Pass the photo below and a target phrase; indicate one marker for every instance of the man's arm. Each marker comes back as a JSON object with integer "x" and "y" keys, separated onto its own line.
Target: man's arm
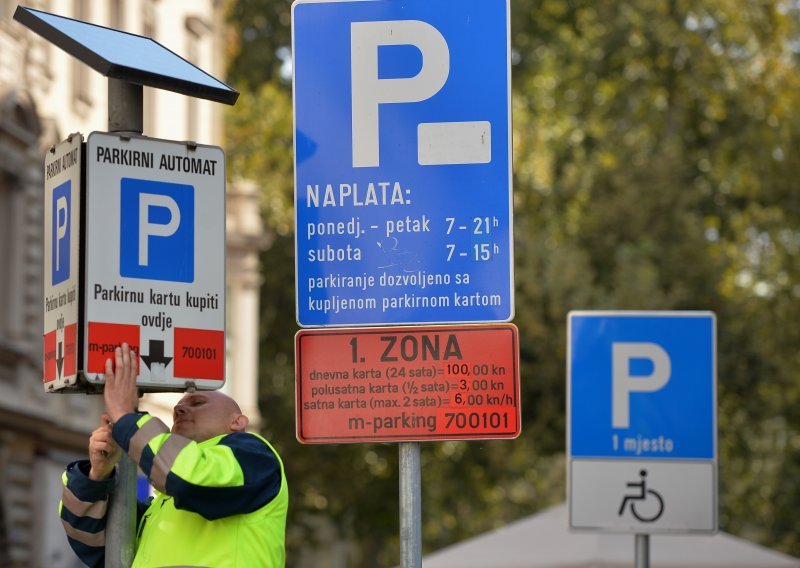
{"x": 238, "y": 475}
{"x": 87, "y": 484}
{"x": 84, "y": 497}
{"x": 83, "y": 507}
{"x": 119, "y": 388}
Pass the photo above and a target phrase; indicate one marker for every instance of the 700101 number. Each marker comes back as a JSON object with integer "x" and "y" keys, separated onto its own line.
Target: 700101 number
{"x": 199, "y": 352}
{"x": 476, "y": 419}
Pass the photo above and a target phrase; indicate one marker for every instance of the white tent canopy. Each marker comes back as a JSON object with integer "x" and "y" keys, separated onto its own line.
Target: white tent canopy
{"x": 545, "y": 541}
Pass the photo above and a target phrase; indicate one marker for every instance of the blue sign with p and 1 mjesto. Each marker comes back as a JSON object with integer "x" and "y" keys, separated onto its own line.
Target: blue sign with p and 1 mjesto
{"x": 402, "y": 161}
{"x": 642, "y": 385}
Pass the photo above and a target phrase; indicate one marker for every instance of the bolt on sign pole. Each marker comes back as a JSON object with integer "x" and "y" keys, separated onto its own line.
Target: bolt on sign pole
{"x": 642, "y": 550}
{"x": 410, "y": 505}
{"x": 125, "y": 115}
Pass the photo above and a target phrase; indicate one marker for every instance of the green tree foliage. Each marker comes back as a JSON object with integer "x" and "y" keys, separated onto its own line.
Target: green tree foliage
{"x": 655, "y": 168}
{"x": 259, "y": 40}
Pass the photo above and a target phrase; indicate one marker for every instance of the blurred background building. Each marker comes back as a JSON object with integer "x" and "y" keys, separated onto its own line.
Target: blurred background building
{"x": 45, "y": 95}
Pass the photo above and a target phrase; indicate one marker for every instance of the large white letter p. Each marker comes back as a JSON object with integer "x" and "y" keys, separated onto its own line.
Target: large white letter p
{"x": 148, "y": 229}
{"x": 624, "y": 383}
{"x": 62, "y": 222}
{"x": 369, "y": 91}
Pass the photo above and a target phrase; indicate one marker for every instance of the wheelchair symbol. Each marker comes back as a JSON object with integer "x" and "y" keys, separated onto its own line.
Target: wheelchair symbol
{"x": 653, "y": 511}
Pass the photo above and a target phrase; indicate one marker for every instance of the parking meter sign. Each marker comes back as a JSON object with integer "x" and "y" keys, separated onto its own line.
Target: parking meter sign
{"x": 155, "y": 259}
{"x": 642, "y": 421}
{"x": 62, "y": 211}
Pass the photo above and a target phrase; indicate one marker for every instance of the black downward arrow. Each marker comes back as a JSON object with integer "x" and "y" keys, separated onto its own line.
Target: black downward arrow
{"x": 156, "y": 354}
{"x": 60, "y": 358}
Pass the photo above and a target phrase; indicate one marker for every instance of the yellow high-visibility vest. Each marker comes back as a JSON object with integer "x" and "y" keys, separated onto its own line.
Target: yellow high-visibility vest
{"x": 169, "y": 536}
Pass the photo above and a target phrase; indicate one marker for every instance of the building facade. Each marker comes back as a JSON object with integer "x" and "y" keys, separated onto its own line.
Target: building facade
{"x": 45, "y": 95}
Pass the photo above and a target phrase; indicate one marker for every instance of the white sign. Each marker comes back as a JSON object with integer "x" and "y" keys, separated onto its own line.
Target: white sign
{"x": 632, "y": 496}
{"x": 642, "y": 439}
{"x": 155, "y": 259}
{"x": 62, "y": 206}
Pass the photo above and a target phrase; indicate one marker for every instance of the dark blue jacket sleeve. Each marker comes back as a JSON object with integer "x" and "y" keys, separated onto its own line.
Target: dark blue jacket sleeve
{"x": 83, "y": 508}
{"x": 83, "y": 511}
{"x": 235, "y": 474}
{"x": 261, "y": 482}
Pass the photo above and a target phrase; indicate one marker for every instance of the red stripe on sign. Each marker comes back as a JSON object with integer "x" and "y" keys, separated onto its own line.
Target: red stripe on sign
{"x": 199, "y": 354}
{"x": 103, "y": 338}
{"x": 49, "y": 357}
{"x": 70, "y": 350}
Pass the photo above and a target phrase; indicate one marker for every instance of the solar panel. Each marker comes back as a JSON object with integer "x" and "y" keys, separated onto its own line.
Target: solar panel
{"x": 125, "y": 56}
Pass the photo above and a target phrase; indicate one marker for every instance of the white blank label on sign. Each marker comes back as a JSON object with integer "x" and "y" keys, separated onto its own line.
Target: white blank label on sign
{"x": 441, "y": 143}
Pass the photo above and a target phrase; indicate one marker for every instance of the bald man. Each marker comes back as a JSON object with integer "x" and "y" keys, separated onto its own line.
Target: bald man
{"x": 220, "y": 493}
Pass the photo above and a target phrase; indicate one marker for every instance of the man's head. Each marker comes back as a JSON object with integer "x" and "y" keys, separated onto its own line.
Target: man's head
{"x": 203, "y": 415}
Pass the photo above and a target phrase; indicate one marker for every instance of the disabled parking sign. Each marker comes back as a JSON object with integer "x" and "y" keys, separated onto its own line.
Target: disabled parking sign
{"x": 402, "y": 161}
{"x": 642, "y": 439}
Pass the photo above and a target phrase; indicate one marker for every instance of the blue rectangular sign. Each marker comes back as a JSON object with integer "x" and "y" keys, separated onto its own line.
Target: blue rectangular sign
{"x": 402, "y": 161}
{"x": 642, "y": 385}
{"x": 60, "y": 234}
{"x": 156, "y": 230}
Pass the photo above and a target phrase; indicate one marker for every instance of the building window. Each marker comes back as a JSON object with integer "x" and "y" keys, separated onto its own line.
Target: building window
{"x": 116, "y": 13}
{"x": 194, "y": 28}
{"x": 6, "y": 226}
{"x": 80, "y": 72}
{"x": 149, "y": 93}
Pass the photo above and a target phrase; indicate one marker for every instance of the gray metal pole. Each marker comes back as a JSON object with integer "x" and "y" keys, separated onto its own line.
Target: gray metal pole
{"x": 121, "y": 520}
{"x": 125, "y": 114}
{"x": 125, "y": 107}
{"x": 642, "y": 550}
{"x": 410, "y": 506}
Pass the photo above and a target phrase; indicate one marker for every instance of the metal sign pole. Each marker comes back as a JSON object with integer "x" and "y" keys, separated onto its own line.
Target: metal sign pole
{"x": 410, "y": 506}
{"x": 125, "y": 114}
{"x": 121, "y": 524}
{"x": 642, "y": 550}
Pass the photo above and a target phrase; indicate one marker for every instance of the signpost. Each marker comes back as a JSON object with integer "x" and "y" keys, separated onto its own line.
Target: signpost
{"x": 62, "y": 222}
{"x": 403, "y": 214}
{"x": 407, "y": 384}
{"x": 402, "y": 162}
{"x": 146, "y": 238}
{"x": 642, "y": 436}
{"x": 155, "y": 257}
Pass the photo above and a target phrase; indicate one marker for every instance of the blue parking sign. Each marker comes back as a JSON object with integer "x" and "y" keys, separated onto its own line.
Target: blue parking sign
{"x": 156, "y": 230}
{"x": 402, "y": 161}
{"x": 642, "y": 385}
{"x": 60, "y": 234}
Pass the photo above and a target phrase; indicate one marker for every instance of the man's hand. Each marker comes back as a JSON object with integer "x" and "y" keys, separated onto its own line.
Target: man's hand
{"x": 103, "y": 451}
{"x": 120, "y": 388}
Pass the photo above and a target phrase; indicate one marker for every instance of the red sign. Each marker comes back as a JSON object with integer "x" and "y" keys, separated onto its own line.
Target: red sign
{"x": 199, "y": 353}
{"x": 104, "y": 338}
{"x": 50, "y": 356}
{"x": 60, "y": 355}
{"x": 70, "y": 350}
{"x": 407, "y": 384}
